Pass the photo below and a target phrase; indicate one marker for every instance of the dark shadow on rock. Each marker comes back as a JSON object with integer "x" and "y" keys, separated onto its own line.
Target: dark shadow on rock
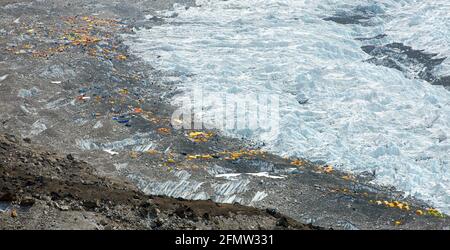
{"x": 414, "y": 63}
{"x": 380, "y": 36}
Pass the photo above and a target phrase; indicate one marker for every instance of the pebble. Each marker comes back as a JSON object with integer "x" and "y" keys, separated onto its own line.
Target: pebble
{"x": 2, "y": 78}
{"x": 70, "y": 157}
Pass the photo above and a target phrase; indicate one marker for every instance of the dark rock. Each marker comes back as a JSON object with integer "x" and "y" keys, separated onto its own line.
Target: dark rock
{"x": 185, "y": 212}
{"x": 70, "y": 157}
{"x": 361, "y": 15}
{"x": 271, "y": 211}
{"x": 159, "y": 222}
{"x": 103, "y": 223}
{"x": 371, "y": 38}
{"x": 11, "y": 138}
{"x": 91, "y": 204}
{"x": 206, "y": 216}
{"x": 149, "y": 209}
{"x": 348, "y": 19}
{"x": 283, "y": 222}
{"x": 414, "y": 63}
{"x": 7, "y": 196}
{"x": 27, "y": 202}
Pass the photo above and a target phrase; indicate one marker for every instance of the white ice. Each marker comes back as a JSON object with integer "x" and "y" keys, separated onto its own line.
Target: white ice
{"x": 359, "y": 117}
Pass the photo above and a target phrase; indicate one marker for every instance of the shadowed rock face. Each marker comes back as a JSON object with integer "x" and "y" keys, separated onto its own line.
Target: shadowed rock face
{"x": 347, "y": 18}
{"x": 444, "y": 80}
{"x": 381, "y": 36}
{"x": 360, "y": 15}
{"x": 414, "y": 63}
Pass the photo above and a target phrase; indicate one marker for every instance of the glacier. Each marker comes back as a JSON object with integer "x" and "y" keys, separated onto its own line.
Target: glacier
{"x": 358, "y": 116}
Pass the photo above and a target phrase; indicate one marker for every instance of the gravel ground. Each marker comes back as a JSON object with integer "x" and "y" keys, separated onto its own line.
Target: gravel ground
{"x": 44, "y": 190}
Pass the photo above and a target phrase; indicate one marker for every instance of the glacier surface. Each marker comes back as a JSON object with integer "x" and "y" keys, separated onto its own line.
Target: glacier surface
{"x": 359, "y": 116}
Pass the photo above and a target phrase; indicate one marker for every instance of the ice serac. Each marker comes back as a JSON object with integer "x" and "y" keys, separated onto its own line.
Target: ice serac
{"x": 336, "y": 106}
